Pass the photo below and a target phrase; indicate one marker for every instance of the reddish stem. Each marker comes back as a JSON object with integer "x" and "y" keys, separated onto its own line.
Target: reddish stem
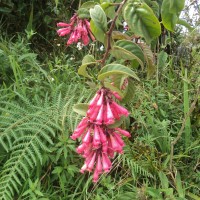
{"x": 109, "y": 33}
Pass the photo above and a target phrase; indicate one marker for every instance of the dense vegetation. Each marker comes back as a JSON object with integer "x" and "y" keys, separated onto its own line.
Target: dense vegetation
{"x": 40, "y": 84}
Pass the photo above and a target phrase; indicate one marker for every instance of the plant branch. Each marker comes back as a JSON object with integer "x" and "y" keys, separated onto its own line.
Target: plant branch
{"x": 109, "y": 33}
{"x": 183, "y": 127}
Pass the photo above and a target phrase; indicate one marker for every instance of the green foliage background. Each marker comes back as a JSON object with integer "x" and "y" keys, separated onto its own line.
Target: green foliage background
{"x": 39, "y": 85}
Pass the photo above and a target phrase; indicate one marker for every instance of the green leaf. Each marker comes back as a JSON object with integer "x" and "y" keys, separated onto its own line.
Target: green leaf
{"x": 193, "y": 196}
{"x": 82, "y": 69}
{"x": 113, "y": 69}
{"x": 83, "y": 13}
{"x": 155, "y": 193}
{"x": 176, "y": 6}
{"x": 99, "y": 17}
{"x": 97, "y": 32}
{"x": 130, "y": 91}
{"x": 134, "y": 49}
{"x": 121, "y": 53}
{"x": 113, "y": 88}
{"x": 30, "y": 22}
{"x": 117, "y": 35}
{"x": 186, "y": 24}
{"x": 117, "y": 123}
{"x": 170, "y": 11}
{"x": 87, "y": 60}
{"x": 153, "y": 5}
{"x": 179, "y": 186}
{"x": 162, "y": 59}
{"x": 142, "y": 20}
{"x": 148, "y": 56}
{"x": 108, "y": 9}
{"x": 88, "y": 4}
{"x": 38, "y": 193}
{"x": 164, "y": 180}
{"x": 81, "y": 108}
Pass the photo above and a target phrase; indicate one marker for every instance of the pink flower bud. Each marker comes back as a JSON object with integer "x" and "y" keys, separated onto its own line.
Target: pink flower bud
{"x": 95, "y": 176}
{"x": 105, "y": 148}
{"x": 63, "y": 31}
{"x": 91, "y": 163}
{"x": 121, "y": 110}
{"x": 115, "y": 113}
{"x": 62, "y": 24}
{"x": 116, "y": 95}
{"x": 118, "y": 138}
{"x": 94, "y": 100}
{"x": 106, "y": 162}
{"x": 100, "y": 101}
{"x": 87, "y": 24}
{"x": 110, "y": 117}
{"x": 93, "y": 113}
{"x": 99, "y": 164}
{"x": 78, "y": 132}
{"x": 89, "y": 157}
{"x": 87, "y": 137}
{"x": 99, "y": 118}
{"x": 81, "y": 148}
{"x": 102, "y": 135}
{"x": 83, "y": 122}
{"x": 96, "y": 137}
{"x": 87, "y": 151}
{"x": 83, "y": 168}
{"x": 115, "y": 145}
{"x": 110, "y": 150}
{"x": 85, "y": 39}
{"x": 123, "y": 132}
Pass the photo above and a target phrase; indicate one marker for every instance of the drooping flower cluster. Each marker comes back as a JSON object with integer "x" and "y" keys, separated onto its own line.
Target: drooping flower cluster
{"x": 99, "y": 142}
{"x": 79, "y": 29}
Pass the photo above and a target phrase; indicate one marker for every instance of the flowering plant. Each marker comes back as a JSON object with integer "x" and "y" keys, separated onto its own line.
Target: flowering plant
{"x": 99, "y": 130}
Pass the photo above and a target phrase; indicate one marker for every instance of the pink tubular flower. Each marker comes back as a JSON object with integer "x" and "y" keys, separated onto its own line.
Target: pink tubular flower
{"x": 103, "y": 109}
{"x": 123, "y": 132}
{"x": 120, "y": 110}
{"x": 106, "y": 162}
{"x": 99, "y": 142}
{"x": 79, "y": 29}
{"x": 109, "y": 115}
{"x": 63, "y": 31}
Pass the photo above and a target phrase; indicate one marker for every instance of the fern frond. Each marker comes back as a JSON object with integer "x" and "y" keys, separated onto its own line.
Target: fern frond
{"x": 136, "y": 169}
{"x": 28, "y": 129}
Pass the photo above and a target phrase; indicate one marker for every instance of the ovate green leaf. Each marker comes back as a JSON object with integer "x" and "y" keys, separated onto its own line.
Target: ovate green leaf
{"x": 176, "y": 6}
{"x": 130, "y": 91}
{"x": 133, "y": 48}
{"x": 83, "y": 13}
{"x": 186, "y": 24}
{"x": 87, "y": 60}
{"x": 164, "y": 180}
{"x": 82, "y": 69}
{"x": 99, "y": 17}
{"x": 169, "y": 18}
{"x": 113, "y": 69}
{"x": 81, "y": 108}
{"x": 88, "y": 4}
{"x": 142, "y": 20}
{"x": 148, "y": 56}
{"x": 117, "y": 123}
{"x": 97, "y": 32}
{"x": 121, "y": 53}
